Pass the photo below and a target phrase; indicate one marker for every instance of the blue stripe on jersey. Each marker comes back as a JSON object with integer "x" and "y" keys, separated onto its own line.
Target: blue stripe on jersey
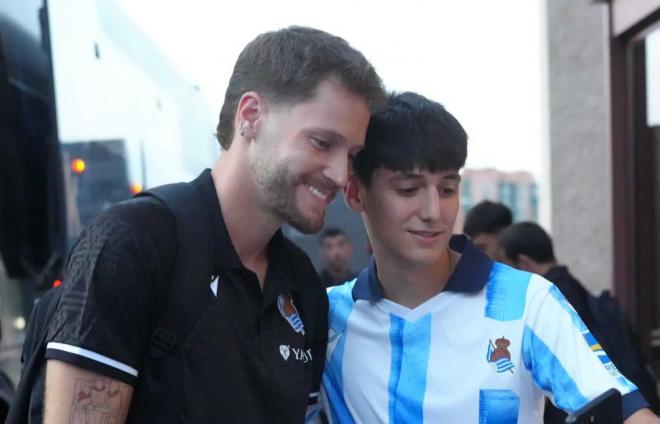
{"x": 593, "y": 344}
{"x": 341, "y": 303}
{"x": 410, "y": 344}
{"x": 549, "y": 374}
{"x": 506, "y": 293}
{"x": 498, "y": 407}
{"x": 577, "y": 321}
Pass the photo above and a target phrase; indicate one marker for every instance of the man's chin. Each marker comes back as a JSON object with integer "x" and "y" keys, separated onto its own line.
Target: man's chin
{"x": 305, "y": 225}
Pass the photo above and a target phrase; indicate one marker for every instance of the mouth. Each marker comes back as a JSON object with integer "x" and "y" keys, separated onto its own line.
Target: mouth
{"x": 321, "y": 193}
{"x": 427, "y": 235}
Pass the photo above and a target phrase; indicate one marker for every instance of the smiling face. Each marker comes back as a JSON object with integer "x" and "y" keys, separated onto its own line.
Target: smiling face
{"x": 301, "y": 155}
{"x": 409, "y": 215}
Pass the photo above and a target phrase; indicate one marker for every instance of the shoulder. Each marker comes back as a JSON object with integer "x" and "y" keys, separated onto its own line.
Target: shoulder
{"x": 509, "y": 292}
{"x": 133, "y": 224}
{"x": 308, "y": 284}
{"x": 304, "y": 272}
{"x": 146, "y": 215}
{"x": 340, "y": 299}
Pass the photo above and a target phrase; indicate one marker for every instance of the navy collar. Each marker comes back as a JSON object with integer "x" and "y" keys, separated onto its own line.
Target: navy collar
{"x": 470, "y": 275}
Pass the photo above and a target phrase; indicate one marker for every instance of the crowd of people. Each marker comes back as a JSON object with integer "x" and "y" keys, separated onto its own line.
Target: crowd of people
{"x": 188, "y": 304}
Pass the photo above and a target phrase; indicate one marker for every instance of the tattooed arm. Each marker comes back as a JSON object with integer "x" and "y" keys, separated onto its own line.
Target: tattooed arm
{"x": 75, "y": 395}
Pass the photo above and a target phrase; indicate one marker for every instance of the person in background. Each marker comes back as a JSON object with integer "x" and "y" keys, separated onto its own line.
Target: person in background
{"x": 484, "y": 222}
{"x": 336, "y": 251}
{"x": 528, "y": 247}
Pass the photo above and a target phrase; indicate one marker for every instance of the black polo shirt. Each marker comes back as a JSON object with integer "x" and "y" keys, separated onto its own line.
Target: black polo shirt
{"x": 252, "y": 355}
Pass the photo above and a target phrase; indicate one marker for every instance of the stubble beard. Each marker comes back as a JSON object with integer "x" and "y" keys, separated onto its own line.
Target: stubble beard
{"x": 277, "y": 189}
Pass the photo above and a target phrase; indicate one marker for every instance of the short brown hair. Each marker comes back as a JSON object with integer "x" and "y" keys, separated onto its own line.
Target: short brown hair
{"x": 288, "y": 65}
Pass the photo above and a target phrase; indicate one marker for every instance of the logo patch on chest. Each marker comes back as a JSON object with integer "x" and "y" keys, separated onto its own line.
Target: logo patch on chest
{"x": 499, "y": 356}
{"x": 290, "y": 313}
{"x": 303, "y": 356}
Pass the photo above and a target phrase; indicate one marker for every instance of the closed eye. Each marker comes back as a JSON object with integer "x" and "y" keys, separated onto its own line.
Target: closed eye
{"x": 320, "y": 144}
{"x": 407, "y": 191}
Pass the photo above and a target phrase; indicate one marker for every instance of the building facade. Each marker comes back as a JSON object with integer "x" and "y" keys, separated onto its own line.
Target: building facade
{"x": 517, "y": 190}
{"x": 604, "y": 95}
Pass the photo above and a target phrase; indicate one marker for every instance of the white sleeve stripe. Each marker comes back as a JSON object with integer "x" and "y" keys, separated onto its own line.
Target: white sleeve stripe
{"x": 315, "y": 394}
{"x": 93, "y": 356}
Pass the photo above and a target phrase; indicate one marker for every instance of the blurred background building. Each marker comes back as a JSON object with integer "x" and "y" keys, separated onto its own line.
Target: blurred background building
{"x": 517, "y": 190}
{"x": 604, "y": 120}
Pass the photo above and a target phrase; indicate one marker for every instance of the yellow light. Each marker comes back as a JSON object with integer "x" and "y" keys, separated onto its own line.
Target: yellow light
{"x": 136, "y": 188}
{"x": 78, "y": 166}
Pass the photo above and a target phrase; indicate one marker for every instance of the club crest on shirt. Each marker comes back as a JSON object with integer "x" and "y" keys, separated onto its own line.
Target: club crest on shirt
{"x": 499, "y": 356}
{"x": 290, "y": 313}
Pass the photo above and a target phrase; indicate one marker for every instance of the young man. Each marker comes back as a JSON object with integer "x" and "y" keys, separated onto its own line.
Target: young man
{"x": 433, "y": 330}
{"x": 484, "y": 222}
{"x": 296, "y": 109}
{"x": 336, "y": 251}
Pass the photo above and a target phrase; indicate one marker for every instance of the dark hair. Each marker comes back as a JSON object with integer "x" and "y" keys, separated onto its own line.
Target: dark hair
{"x": 411, "y": 132}
{"x": 487, "y": 217}
{"x": 289, "y": 64}
{"x": 331, "y": 232}
{"x": 527, "y": 238}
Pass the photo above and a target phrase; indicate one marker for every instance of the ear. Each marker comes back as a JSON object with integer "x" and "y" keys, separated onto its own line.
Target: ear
{"x": 354, "y": 194}
{"x": 251, "y": 109}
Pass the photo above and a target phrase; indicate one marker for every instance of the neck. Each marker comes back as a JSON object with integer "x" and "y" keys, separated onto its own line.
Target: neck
{"x": 337, "y": 272}
{"x": 412, "y": 285}
{"x": 543, "y": 268}
{"x": 249, "y": 226}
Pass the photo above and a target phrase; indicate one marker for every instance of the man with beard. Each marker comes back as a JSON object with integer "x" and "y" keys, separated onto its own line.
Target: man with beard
{"x": 295, "y": 111}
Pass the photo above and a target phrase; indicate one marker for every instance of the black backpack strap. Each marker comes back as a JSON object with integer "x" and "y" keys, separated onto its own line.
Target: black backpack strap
{"x": 189, "y": 288}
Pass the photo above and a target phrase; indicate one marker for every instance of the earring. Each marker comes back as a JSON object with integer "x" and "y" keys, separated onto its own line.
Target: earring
{"x": 241, "y": 129}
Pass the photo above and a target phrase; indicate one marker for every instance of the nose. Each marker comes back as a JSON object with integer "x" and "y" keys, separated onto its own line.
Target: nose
{"x": 430, "y": 208}
{"x": 337, "y": 169}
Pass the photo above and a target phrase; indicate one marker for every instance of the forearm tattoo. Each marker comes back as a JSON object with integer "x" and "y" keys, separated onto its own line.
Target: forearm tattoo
{"x": 98, "y": 400}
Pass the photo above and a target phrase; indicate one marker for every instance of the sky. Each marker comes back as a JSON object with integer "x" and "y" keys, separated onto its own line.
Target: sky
{"x": 484, "y": 60}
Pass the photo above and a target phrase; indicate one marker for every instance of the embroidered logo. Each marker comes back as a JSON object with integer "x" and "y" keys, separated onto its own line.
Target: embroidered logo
{"x": 300, "y": 355}
{"x": 285, "y": 351}
{"x": 498, "y": 355}
{"x": 290, "y": 313}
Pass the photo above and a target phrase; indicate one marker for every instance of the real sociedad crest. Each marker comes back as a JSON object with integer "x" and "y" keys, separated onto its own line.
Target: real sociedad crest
{"x": 290, "y": 313}
{"x": 498, "y": 355}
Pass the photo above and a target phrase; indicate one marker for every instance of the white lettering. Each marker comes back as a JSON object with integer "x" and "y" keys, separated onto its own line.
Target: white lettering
{"x": 301, "y": 355}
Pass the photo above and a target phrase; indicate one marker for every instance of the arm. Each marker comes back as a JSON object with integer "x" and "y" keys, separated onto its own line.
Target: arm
{"x": 75, "y": 395}
{"x": 103, "y": 320}
{"x": 643, "y": 416}
{"x": 566, "y": 360}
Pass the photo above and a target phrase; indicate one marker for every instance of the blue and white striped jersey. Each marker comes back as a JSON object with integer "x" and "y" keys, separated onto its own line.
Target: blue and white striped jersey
{"x": 487, "y": 349}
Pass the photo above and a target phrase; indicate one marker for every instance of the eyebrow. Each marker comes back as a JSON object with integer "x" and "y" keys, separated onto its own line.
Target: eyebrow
{"x": 414, "y": 176}
{"x": 405, "y": 176}
{"x": 326, "y": 133}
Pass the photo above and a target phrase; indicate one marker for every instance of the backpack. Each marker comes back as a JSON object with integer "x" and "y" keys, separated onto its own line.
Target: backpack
{"x": 615, "y": 334}
{"x": 179, "y": 307}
